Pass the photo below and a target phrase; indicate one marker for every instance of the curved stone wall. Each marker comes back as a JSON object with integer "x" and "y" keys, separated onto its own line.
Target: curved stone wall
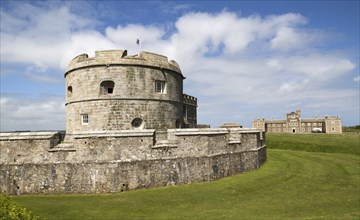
{"x": 112, "y": 90}
{"x": 114, "y": 161}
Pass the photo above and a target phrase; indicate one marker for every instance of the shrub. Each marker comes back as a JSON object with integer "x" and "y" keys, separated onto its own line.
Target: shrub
{"x": 11, "y": 210}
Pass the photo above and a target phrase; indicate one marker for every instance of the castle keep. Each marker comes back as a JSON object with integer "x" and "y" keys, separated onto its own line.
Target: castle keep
{"x": 295, "y": 124}
{"x": 113, "y": 91}
{"x": 128, "y": 126}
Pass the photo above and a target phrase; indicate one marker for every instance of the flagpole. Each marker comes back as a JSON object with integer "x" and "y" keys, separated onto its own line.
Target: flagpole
{"x": 138, "y": 42}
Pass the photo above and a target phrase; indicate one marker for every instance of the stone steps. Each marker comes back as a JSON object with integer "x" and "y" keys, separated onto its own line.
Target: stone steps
{"x": 65, "y": 146}
{"x": 164, "y": 144}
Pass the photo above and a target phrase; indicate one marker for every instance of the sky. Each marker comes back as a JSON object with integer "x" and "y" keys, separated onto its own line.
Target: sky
{"x": 241, "y": 59}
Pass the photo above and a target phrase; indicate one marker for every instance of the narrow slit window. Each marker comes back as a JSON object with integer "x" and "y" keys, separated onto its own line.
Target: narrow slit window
{"x": 70, "y": 90}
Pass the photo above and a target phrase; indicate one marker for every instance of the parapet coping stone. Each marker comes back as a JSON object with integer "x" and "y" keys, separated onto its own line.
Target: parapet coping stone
{"x": 210, "y": 131}
{"x": 28, "y": 135}
{"x": 114, "y": 133}
{"x": 119, "y": 57}
{"x": 44, "y": 135}
{"x": 198, "y": 131}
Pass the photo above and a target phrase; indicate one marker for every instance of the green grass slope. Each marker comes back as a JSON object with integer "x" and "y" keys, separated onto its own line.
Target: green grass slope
{"x": 329, "y": 143}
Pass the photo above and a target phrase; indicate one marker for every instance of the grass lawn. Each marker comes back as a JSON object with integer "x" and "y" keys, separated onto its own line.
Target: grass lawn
{"x": 329, "y": 143}
{"x": 291, "y": 184}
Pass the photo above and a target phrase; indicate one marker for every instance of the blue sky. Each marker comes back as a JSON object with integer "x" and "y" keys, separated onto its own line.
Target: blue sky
{"x": 242, "y": 59}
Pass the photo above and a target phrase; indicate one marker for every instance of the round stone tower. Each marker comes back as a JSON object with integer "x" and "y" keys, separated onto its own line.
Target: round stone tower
{"x": 113, "y": 91}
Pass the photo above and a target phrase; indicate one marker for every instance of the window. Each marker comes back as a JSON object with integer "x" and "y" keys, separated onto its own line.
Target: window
{"x": 160, "y": 87}
{"x": 137, "y": 123}
{"x": 84, "y": 119}
{"x": 69, "y": 89}
{"x": 107, "y": 87}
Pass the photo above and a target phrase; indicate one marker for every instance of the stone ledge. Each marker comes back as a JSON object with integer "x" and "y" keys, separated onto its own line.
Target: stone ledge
{"x": 63, "y": 147}
{"x": 117, "y": 133}
{"x": 244, "y": 130}
{"x": 164, "y": 144}
{"x": 198, "y": 131}
{"x": 39, "y": 135}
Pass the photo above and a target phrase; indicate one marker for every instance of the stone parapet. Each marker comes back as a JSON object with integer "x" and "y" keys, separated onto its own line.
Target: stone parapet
{"x": 119, "y": 57}
{"x": 112, "y": 161}
{"x": 190, "y": 100}
{"x": 41, "y": 135}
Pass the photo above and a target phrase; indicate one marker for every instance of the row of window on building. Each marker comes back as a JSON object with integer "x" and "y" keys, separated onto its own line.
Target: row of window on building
{"x": 291, "y": 130}
{"x": 293, "y": 124}
{"x": 107, "y": 87}
{"x": 135, "y": 123}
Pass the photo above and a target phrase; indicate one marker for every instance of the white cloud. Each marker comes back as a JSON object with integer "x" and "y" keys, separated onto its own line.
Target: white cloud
{"x": 356, "y": 79}
{"x": 22, "y": 113}
{"x": 38, "y": 36}
{"x": 290, "y": 87}
{"x": 286, "y": 39}
{"x": 228, "y": 58}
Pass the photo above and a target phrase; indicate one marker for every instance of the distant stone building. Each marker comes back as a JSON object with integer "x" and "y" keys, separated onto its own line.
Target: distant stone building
{"x": 295, "y": 124}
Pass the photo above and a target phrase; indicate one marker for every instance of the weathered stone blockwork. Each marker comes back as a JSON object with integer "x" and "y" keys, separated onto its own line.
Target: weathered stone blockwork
{"x": 115, "y": 161}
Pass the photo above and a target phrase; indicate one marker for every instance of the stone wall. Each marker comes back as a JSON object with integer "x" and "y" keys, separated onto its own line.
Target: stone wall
{"x": 114, "y": 161}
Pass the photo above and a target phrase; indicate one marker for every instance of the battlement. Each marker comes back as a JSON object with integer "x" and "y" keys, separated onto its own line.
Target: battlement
{"x": 190, "y": 100}
{"x": 120, "y": 57}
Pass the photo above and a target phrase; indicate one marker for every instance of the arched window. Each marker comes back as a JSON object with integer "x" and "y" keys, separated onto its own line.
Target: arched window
{"x": 70, "y": 90}
{"x": 107, "y": 87}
